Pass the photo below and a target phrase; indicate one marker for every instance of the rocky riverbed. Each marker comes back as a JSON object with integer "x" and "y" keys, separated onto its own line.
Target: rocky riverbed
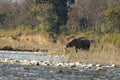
{"x": 53, "y": 69}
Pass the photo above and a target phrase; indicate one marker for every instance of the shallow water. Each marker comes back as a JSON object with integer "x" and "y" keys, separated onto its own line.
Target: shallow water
{"x": 81, "y": 71}
{"x": 29, "y": 56}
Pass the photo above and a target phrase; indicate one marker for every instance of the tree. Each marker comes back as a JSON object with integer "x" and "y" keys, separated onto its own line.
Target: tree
{"x": 57, "y": 13}
{"x": 61, "y": 10}
{"x": 2, "y": 18}
{"x": 112, "y": 19}
{"x": 86, "y": 15}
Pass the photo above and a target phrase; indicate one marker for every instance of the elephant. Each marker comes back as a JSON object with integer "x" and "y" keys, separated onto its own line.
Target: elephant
{"x": 79, "y": 43}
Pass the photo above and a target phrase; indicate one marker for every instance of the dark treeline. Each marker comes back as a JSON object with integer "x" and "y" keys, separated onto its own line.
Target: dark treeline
{"x": 61, "y": 16}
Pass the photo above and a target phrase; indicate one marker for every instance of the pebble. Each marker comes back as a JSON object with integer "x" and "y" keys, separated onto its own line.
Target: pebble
{"x": 83, "y": 65}
{"x": 99, "y": 68}
{"x": 33, "y": 62}
{"x": 59, "y": 64}
{"x": 113, "y": 65}
{"x": 72, "y": 65}
{"x": 77, "y": 63}
{"x": 65, "y": 64}
{"x": 98, "y": 65}
{"x": 90, "y": 65}
{"x": 58, "y": 71}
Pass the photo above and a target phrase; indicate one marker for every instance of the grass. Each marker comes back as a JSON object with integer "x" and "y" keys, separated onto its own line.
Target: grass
{"x": 105, "y": 55}
{"x": 104, "y": 52}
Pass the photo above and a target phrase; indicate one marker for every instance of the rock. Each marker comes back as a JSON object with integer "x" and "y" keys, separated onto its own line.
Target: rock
{"x": 83, "y": 65}
{"x": 87, "y": 67}
{"x": 6, "y": 59}
{"x": 90, "y": 65}
{"x": 48, "y": 63}
{"x": 58, "y": 71}
{"x": 33, "y": 62}
{"x": 8, "y": 48}
{"x": 38, "y": 64}
{"x": 25, "y": 62}
{"x": 26, "y": 68}
{"x": 59, "y": 64}
{"x": 66, "y": 64}
{"x": 43, "y": 63}
{"x": 99, "y": 68}
{"x": 98, "y": 65}
{"x": 113, "y": 65}
{"x": 72, "y": 65}
{"x": 77, "y": 63}
{"x": 13, "y": 61}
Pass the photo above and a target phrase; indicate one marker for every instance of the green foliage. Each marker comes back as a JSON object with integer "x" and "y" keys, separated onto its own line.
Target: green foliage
{"x": 112, "y": 14}
{"x": 106, "y": 38}
{"x": 40, "y": 1}
{"x": 61, "y": 11}
{"x": 51, "y": 14}
{"x": 27, "y": 29}
{"x": 14, "y": 37}
{"x": 112, "y": 17}
{"x": 63, "y": 30}
{"x": 51, "y": 17}
{"x": 107, "y": 27}
{"x": 46, "y": 16}
{"x": 116, "y": 39}
{"x": 2, "y": 17}
{"x": 113, "y": 39}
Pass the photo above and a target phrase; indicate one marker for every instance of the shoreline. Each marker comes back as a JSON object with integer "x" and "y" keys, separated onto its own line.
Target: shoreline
{"x": 56, "y": 71}
{"x": 87, "y": 65}
{"x": 8, "y": 48}
{"x": 14, "y": 69}
{"x": 40, "y": 58}
{"x": 107, "y": 54}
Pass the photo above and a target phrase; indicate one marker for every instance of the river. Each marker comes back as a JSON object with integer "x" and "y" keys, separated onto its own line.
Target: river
{"x": 38, "y": 66}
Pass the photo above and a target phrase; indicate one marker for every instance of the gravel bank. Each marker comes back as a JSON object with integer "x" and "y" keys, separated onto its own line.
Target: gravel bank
{"x": 12, "y": 69}
{"x": 38, "y": 66}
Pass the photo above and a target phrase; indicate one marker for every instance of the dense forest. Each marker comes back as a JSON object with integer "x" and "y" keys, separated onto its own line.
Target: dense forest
{"x": 62, "y": 17}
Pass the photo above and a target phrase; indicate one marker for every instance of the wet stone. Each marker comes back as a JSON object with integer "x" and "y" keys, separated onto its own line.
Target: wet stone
{"x": 58, "y": 71}
{"x": 113, "y": 65}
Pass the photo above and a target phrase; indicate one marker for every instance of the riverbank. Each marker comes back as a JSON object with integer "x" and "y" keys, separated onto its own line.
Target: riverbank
{"x": 12, "y": 69}
{"x": 98, "y": 53}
